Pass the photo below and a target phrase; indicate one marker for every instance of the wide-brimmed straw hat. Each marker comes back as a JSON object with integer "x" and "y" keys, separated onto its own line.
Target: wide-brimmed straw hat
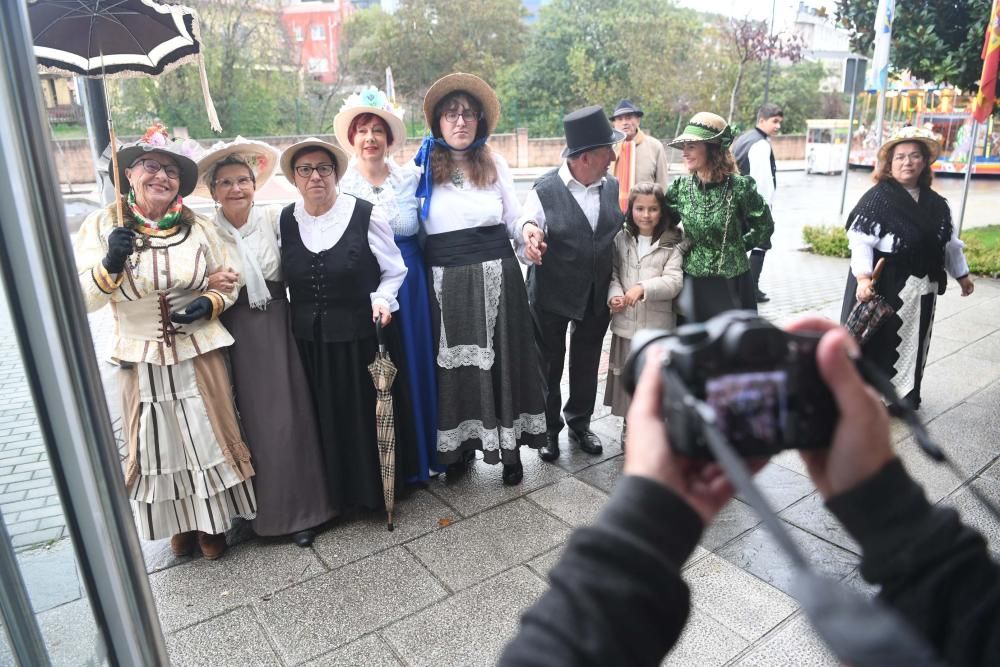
{"x": 373, "y": 101}
{"x": 470, "y": 84}
{"x": 260, "y": 157}
{"x": 911, "y": 134}
{"x": 156, "y": 140}
{"x": 313, "y": 142}
{"x": 707, "y": 127}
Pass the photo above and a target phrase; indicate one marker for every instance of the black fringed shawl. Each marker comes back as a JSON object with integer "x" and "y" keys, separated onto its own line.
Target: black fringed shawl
{"x": 920, "y": 230}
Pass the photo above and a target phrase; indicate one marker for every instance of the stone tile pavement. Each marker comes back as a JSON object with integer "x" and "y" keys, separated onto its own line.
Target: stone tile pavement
{"x": 468, "y": 555}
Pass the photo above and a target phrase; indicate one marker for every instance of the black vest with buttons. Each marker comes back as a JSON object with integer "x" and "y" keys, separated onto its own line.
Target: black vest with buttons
{"x": 575, "y": 272}
{"x": 331, "y": 290}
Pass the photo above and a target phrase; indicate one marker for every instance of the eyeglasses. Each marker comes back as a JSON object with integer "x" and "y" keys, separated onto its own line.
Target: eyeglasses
{"x": 467, "y": 116}
{"x": 912, "y": 157}
{"x": 153, "y": 167}
{"x": 227, "y": 183}
{"x": 306, "y": 170}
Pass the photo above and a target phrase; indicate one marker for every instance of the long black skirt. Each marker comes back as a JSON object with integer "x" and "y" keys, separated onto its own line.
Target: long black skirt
{"x": 900, "y": 346}
{"x": 702, "y": 298}
{"x": 345, "y": 403}
{"x": 276, "y": 412}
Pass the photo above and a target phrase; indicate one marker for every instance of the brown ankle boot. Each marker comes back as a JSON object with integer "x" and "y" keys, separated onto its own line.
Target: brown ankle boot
{"x": 212, "y": 546}
{"x": 182, "y": 544}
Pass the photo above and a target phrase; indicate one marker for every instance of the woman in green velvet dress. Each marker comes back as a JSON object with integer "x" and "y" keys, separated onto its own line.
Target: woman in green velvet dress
{"x": 723, "y": 216}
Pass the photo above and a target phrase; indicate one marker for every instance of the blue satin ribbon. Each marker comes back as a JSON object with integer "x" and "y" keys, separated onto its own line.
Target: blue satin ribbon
{"x": 423, "y": 160}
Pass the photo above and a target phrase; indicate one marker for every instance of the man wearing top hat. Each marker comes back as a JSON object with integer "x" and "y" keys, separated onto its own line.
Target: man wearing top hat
{"x": 571, "y": 217}
{"x": 640, "y": 158}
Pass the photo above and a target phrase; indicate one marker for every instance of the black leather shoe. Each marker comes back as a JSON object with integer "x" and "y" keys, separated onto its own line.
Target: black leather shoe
{"x": 588, "y": 440}
{"x": 513, "y": 474}
{"x": 550, "y": 450}
{"x": 304, "y": 538}
{"x": 762, "y": 297}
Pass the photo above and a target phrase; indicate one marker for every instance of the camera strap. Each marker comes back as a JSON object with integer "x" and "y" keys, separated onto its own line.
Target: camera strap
{"x": 861, "y": 632}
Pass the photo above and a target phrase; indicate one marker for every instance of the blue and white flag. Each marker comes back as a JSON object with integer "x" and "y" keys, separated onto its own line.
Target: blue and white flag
{"x": 883, "y": 35}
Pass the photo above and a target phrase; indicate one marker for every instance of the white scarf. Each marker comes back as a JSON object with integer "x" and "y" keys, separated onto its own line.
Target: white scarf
{"x": 257, "y": 292}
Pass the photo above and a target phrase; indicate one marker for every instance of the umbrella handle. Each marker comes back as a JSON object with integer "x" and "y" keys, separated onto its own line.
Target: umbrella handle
{"x": 879, "y": 265}
{"x": 380, "y": 335}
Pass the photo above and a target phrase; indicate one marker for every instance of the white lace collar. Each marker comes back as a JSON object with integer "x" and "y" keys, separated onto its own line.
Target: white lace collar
{"x": 339, "y": 214}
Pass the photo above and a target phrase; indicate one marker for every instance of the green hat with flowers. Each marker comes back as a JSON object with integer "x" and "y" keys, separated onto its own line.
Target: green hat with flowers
{"x": 707, "y": 127}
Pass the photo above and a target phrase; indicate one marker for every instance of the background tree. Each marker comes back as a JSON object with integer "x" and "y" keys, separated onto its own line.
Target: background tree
{"x": 751, "y": 42}
{"x": 426, "y": 39}
{"x": 937, "y": 40}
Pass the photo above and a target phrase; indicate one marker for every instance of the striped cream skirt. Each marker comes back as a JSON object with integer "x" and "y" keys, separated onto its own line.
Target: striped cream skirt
{"x": 188, "y": 467}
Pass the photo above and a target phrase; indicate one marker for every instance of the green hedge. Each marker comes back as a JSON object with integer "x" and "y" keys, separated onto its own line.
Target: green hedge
{"x": 982, "y": 246}
{"x": 982, "y": 249}
{"x": 830, "y": 241}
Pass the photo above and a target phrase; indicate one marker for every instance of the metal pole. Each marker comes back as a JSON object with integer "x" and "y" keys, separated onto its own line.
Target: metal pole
{"x": 770, "y": 31}
{"x": 970, "y": 165}
{"x": 43, "y": 291}
{"x": 23, "y": 633}
{"x": 850, "y": 136}
{"x": 92, "y": 133}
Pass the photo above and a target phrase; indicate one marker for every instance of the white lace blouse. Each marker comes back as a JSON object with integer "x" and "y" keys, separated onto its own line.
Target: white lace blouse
{"x": 396, "y": 197}
{"x": 259, "y": 235}
{"x": 456, "y": 206}
{"x": 324, "y": 231}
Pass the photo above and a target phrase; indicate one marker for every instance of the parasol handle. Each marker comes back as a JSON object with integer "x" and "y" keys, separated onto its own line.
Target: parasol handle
{"x": 120, "y": 220}
{"x": 391, "y": 527}
{"x": 379, "y": 336}
{"x": 879, "y": 265}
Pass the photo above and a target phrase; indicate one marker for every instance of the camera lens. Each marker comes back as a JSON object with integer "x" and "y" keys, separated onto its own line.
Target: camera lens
{"x": 754, "y": 343}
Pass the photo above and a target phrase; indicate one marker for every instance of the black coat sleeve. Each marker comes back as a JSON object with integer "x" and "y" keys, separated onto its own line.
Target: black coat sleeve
{"x": 935, "y": 570}
{"x": 616, "y": 595}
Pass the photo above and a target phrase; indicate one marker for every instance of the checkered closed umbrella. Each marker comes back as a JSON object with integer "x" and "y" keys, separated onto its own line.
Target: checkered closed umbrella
{"x": 383, "y": 372}
{"x": 867, "y": 316}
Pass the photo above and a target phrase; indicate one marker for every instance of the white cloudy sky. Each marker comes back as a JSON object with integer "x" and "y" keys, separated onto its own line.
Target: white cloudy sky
{"x": 785, "y": 10}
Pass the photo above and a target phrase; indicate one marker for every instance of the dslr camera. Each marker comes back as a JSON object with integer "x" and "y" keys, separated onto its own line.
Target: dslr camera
{"x": 762, "y": 384}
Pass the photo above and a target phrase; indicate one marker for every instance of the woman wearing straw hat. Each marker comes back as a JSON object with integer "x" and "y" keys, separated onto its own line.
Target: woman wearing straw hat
{"x": 270, "y": 385}
{"x": 723, "y": 216}
{"x": 489, "y": 378}
{"x": 373, "y": 129}
{"x": 188, "y": 471}
{"x": 343, "y": 272}
{"x": 902, "y": 220}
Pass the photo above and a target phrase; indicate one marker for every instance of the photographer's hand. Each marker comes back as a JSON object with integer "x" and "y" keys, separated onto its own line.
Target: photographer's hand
{"x": 702, "y": 484}
{"x": 860, "y": 446}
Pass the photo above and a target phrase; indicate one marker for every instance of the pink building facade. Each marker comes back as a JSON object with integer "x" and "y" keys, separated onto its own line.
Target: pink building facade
{"x": 314, "y": 29}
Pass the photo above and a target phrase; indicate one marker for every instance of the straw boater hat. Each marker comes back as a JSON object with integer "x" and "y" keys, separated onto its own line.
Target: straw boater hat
{"x": 706, "y": 127}
{"x": 373, "y": 101}
{"x": 262, "y": 159}
{"x": 467, "y": 83}
{"x": 312, "y": 142}
{"x": 156, "y": 140}
{"x": 911, "y": 134}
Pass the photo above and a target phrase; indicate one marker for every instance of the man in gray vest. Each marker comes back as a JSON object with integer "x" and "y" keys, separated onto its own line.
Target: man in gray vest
{"x": 571, "y": 216}
{"x": 754, "y": 157}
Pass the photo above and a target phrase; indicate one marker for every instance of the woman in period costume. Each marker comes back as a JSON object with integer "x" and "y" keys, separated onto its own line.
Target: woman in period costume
{"x": 188, "y": 471}
{"x": 724, "y": 217}
{"x": 489, "y": 378}
{"x": 343, "y": 272}
{"x": 373, "y": 129}
{"x": 272, "y": 393}
{"x": 902, "y": 220}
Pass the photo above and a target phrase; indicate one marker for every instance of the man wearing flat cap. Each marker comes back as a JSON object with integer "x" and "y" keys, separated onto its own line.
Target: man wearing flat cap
{"x": 640, "y": 158}
{"x": 571, "y": 217}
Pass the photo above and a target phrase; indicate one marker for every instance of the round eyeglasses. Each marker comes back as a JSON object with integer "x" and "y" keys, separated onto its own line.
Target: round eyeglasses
{"x": 153, "y": 167}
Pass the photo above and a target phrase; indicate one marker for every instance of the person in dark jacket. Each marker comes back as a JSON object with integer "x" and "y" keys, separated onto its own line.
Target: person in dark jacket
{"x": 617, "y": 597}
{"x": 572, "y": 216}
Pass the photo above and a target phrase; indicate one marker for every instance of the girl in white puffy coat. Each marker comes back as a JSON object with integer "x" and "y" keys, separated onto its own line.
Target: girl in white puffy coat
{"x": 646, "y": 278}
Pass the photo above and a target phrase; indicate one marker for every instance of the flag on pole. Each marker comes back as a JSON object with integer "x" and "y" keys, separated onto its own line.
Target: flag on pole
{"x": 883, "y": 34}
{"x": 982, "y": 108}
{"x": 390, "y": 86}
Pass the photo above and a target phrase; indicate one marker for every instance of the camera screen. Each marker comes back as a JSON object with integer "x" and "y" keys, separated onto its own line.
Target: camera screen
{"x": 749, "y": 407}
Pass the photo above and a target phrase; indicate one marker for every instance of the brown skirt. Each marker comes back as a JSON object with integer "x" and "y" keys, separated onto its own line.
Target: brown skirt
{"x": 276, "y": 410}
{"x": 615, "y": 394}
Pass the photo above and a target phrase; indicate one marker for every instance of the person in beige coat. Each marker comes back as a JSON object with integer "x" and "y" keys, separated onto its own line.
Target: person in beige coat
{"x": 639, "y": 157}
{"x": 646, "y": 278}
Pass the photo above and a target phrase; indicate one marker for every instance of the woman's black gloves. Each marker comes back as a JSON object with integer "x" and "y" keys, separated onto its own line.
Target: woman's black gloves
{"x": 197, "y": 309}
{"x": 121, "y": 244}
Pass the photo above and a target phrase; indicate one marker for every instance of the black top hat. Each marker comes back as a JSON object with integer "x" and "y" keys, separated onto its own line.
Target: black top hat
{"x": 588, "y": 128}
{"x": 625, "y": 107}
